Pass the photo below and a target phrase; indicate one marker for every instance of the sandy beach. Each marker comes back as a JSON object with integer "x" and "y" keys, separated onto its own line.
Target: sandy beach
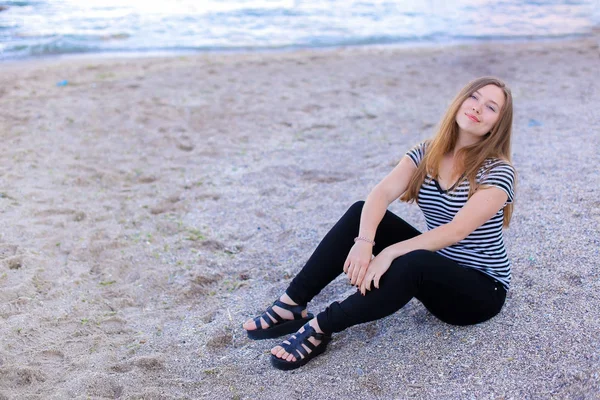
{"x": 149, "y": 206}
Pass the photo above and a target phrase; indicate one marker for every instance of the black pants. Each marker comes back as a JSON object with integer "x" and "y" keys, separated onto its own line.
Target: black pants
{"x": 455, "y": 294}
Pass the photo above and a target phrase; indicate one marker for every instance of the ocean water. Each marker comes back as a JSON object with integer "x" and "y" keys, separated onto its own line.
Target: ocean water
{"x": 31, "y": 28}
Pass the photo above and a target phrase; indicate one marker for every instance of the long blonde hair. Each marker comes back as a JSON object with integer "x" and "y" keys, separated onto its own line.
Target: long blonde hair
{"x": 495, "y": 144}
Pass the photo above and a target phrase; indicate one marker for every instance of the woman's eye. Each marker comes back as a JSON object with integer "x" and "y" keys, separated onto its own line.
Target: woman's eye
{"x": 474, "y": 97}
{"x": 492, "y": 108}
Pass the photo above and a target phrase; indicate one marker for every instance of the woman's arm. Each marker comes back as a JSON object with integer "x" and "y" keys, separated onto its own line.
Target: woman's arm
{"x": 482, "y": 206}
{"x": 382, "y": 195}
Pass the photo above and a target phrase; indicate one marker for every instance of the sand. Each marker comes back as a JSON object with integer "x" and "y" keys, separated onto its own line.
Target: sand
{"x": 151, "y": 205}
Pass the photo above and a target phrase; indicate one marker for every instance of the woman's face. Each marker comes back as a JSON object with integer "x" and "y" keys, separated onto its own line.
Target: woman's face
{"x": 480, "y": 111}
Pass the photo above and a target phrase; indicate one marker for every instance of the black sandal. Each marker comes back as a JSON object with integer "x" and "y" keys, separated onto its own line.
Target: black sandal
{"x": 296, "y": 348}
{"x": 280, "y": 326}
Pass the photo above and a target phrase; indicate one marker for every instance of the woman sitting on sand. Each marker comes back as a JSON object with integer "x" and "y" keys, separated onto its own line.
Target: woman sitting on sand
{"x": 463, "y": 182}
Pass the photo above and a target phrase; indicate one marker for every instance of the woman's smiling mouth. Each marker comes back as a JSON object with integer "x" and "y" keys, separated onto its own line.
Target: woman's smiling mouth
{"x": 472, "y": 117}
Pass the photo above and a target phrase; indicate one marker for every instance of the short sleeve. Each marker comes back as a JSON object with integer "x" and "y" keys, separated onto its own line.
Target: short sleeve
{"x": 417, "y": 153}
{"x": 500, "y": 175}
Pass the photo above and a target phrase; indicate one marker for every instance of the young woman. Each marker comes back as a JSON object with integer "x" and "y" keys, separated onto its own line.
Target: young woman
{"x": 463, "y": 182}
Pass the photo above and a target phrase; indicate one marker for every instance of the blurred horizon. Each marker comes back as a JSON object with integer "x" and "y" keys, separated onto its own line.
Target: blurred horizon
{"x": 51, "y": 27}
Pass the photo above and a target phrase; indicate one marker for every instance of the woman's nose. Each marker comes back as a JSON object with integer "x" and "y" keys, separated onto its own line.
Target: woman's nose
{"x": 476, "y": 109}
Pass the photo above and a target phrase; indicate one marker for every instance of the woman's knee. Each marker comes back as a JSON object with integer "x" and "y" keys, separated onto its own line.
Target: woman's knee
{"x": 357, "y": 207}
{"x": 355, "y": 210}
{"x": 411, "y": 265}
{"x": 415, "y": 255}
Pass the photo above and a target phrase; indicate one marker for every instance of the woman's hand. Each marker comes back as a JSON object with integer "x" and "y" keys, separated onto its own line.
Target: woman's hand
{"x": 357, "y": 262}
{"x": 378, "y": 266}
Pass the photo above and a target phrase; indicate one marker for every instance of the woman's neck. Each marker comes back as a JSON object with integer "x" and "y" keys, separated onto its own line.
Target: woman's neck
{"x": 464, "y": 140}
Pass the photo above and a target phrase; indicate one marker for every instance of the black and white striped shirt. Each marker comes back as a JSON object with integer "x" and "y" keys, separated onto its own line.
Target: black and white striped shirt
{"x": 484, "y": 248}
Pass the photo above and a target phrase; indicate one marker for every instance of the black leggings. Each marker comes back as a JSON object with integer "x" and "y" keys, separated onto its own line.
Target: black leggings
{"x": 455, "y": 294}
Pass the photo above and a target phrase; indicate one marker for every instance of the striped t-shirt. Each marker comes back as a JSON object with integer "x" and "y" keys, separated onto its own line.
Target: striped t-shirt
{"x": 484, "y": 248}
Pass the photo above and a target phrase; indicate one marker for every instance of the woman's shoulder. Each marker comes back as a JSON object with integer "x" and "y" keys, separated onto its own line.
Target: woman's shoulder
{"x": 420, "y": 147}
{"x": 500, "y": 173}
{"x": 422, "y": 144}
{"x": 494, "y": 168}
{"x": 496, "y": 163}
{"x": 417, "y": 152}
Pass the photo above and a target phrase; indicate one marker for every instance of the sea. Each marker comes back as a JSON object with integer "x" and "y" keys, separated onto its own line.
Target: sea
{"x": 41, "y": 28}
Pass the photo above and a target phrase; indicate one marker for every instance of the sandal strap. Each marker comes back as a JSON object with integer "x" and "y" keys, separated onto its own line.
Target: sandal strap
{"x": 297, "y": 340}
{"x": 258, "y": 323}
{"x": 269, "y": 311}
{"x": 310, "y": 345}
{"x": 295, "y": 310}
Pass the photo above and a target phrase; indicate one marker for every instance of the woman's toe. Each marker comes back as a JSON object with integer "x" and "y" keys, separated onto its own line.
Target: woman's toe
{"x": 275, "y": 350}
{"x": 250, "y": 325}
{"x": 290, "y": 358}
{"x": 281, "y": 353}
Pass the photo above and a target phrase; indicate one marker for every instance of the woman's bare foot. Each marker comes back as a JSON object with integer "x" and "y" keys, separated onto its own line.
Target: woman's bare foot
{"x": 285, "y": 314}
{"x": 280, "y": 352}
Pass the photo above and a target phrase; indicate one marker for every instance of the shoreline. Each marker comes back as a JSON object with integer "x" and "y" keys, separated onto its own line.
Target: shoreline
{"x": 409, "y": 45}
